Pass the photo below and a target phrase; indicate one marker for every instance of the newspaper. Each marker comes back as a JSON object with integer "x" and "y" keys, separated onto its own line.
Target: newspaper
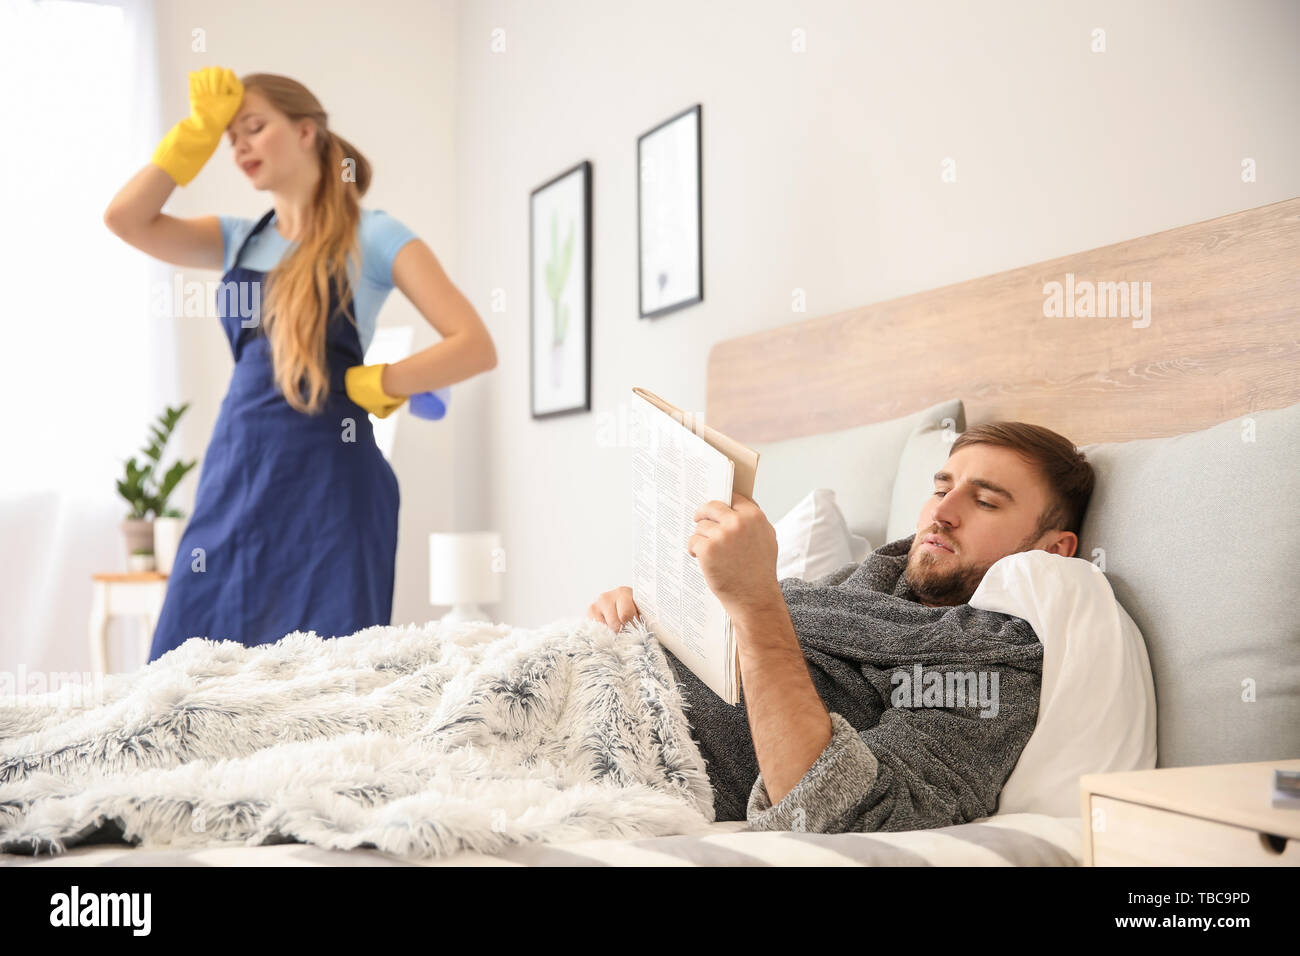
{"x": 678, "y": 464}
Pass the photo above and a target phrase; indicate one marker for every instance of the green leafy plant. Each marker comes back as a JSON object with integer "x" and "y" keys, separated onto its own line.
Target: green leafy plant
{"x": 140, "y": 486}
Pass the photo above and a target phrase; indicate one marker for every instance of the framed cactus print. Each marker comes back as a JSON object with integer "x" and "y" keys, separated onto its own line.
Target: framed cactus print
{"x": 559, "y": 216}
{"x": 670, "y": 214}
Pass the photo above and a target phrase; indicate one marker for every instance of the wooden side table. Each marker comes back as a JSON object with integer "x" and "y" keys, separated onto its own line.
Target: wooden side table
{"x": 139, "y": 593}
{"x": 1218, "y": 815}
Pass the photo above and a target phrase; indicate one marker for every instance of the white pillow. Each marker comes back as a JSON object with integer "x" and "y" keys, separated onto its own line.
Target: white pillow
{"x": 812, "y": 539}
{"x": 860, "y": 463}
{"x": 1097, "y": 709}
{"x": 925, "y": 452}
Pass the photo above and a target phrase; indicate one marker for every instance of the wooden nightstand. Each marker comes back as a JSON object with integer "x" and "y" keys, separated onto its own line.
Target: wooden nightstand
{"x": 1219, "y": 815}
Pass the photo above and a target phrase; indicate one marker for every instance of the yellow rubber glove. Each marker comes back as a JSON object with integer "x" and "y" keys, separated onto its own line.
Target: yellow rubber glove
{"x": 215, "y": 95}
{"x": 363, "y": 387}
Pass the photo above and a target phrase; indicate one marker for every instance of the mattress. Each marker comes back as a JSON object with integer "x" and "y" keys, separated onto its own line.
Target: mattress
{"x": 1014, "y": 839}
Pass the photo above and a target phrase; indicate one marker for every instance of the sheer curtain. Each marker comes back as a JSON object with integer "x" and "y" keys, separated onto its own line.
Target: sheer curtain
{"x": 89, "y": 365}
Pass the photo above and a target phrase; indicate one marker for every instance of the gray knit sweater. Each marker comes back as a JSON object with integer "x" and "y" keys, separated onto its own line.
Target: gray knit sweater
{"x": 929, "y": 707}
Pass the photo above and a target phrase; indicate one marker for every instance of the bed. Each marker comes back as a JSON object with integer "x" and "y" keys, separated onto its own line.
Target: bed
{"x": 1014, "y": 840}
{"x": 1147, "y": 396}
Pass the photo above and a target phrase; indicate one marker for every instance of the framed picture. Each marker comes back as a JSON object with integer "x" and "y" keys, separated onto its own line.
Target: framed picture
{"x": 670, "y": 215}
{"x": 559, "y": 217}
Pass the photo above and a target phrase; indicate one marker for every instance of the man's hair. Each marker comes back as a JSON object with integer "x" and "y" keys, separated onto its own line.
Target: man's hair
{"x": 1069, "y": 475}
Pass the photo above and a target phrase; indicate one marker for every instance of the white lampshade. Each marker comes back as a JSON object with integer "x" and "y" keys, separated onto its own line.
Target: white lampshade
{"x": 464, "y": 571}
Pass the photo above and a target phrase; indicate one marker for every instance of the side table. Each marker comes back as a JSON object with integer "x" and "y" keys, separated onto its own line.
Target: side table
{"x": 137, "y": 593}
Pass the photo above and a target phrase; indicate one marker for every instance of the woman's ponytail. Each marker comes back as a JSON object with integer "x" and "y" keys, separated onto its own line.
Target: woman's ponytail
{"x": 298, "y": 292}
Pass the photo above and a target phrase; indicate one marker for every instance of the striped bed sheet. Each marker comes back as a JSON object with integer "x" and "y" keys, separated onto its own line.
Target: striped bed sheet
{"x": 1014, "y": 839}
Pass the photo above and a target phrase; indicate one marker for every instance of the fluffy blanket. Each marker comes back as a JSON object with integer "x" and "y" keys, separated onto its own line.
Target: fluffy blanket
{"x": 418, "y": 741}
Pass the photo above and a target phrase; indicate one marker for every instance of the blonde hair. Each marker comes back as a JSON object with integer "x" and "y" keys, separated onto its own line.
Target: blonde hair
{"x": 298, "y": 288}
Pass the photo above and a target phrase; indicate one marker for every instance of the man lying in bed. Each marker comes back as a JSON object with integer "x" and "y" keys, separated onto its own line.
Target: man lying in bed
{"x": 841, "y": 743}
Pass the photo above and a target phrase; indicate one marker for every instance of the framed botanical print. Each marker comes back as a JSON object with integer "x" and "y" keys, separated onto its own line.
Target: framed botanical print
{"x": 559, "y": 216}
{"x": 670, "y": 215}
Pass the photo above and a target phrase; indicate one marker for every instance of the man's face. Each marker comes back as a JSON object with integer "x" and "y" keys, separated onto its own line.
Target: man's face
{"x": 986, "y": 504}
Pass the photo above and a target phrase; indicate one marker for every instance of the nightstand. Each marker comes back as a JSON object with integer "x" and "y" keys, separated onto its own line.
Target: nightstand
{"x": 139, "y": 593}
{"x": 1218, "y": 815}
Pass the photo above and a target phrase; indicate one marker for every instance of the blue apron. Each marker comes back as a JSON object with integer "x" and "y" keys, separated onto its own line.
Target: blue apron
{"x": 295, "y": 517}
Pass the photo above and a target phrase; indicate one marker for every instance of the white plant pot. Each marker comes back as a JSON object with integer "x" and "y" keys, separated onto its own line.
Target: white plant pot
{"x": 140, "y": 562}
{"x": 166, "y": 539}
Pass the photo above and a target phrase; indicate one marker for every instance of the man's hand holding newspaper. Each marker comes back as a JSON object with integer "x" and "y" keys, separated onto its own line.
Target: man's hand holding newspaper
{"x": 736, "y": 548}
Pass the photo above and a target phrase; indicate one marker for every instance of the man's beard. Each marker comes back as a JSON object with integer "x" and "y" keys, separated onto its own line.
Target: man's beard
{"x": 934, "y": 579}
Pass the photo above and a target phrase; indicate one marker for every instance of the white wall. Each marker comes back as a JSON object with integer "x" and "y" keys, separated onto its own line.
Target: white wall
{"x": 821, "y": 172}
{"x": 385, "y": 73}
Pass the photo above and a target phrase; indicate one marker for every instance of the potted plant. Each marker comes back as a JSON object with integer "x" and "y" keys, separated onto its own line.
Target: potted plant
{"x": 147, "y": 495}
{"x": 140, "y": 560}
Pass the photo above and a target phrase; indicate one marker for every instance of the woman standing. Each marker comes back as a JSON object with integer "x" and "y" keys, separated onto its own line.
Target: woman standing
{"x": 295, "y": 517}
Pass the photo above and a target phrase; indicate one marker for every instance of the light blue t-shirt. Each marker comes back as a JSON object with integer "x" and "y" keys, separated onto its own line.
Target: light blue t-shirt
{"x": 380, "y": 235}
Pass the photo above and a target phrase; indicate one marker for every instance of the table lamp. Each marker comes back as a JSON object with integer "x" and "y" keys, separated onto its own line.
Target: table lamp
{"x": 463, "y": 572}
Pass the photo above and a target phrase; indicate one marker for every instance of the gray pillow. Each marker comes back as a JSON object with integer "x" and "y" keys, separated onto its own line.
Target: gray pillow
{"x": 925, "y": 452}
{"x": 858, "y": 464}
{"x": 1200, "y": 538}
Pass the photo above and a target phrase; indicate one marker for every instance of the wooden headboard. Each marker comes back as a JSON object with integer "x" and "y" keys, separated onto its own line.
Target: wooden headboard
{"x": 1221, "y": 339}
